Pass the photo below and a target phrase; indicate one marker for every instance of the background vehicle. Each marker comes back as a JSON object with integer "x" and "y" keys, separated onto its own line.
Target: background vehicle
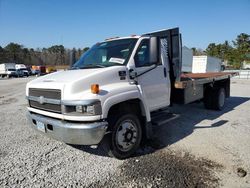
{"x": 29, "y": 71}
{"x": 116, "y": 90}
{"x": 23, "y": 68}
{"x": 19, "y": 73}
{"x": 34, "y": 71}
{"x": 7, "y": 70}
{"x": 38, "y": 70}
{"x": 50, "y": 69}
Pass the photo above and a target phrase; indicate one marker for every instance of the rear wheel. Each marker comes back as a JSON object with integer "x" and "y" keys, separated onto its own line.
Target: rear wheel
{"x": 214, "y": 98}
{"x": 219, "y": 100}
{"x": 208, "y": 98}
{"x": 126, "y": 136}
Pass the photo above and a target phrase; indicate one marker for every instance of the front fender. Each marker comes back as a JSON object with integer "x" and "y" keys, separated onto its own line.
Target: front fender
{"x": 122, "y": 97}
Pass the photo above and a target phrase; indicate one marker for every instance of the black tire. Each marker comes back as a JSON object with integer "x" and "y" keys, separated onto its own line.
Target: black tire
{"x": 208, "y": 98}
{"x": 130, "y": 137}
{"x": 219, "y": 99}
{"x": 214, "y": 98}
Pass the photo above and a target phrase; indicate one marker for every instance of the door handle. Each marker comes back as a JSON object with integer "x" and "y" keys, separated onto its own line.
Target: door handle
{"x": 165, "y": 72}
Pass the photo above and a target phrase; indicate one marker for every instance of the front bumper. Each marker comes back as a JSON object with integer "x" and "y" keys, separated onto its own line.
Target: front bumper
{"x": 68, "y": 132}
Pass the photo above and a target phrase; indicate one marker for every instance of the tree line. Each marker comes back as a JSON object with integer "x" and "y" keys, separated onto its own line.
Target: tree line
{"x": 54, "y": 55}
{"x": 233, "y": 53}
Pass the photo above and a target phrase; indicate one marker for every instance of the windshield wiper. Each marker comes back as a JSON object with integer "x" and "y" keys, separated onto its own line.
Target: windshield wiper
{"x": 91, "y": 66}
{"x": 98, "y": 65}
{"x": 116, "y": 64}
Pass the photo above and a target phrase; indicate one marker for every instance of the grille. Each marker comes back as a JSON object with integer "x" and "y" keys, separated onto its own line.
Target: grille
{"x": 46, "y": 93}
{"x": 48, "y": 107}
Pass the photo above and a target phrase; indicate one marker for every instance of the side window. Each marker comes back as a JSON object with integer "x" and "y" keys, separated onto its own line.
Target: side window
{"x": 142, "y": 55}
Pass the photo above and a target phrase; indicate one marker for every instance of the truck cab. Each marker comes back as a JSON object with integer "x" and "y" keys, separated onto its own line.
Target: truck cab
{"x": 110, "y": 91}
{"x": 22, "y": 68}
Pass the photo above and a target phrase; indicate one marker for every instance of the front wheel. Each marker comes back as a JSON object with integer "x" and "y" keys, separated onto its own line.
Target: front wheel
{"x": 126, "y": 136}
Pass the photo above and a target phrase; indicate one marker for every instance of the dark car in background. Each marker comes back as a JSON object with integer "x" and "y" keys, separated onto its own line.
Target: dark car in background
{"x": 25, "y": 71}
{"x": 19, "y": 73}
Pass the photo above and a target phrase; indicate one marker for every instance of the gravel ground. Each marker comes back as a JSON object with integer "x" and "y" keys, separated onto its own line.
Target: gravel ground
{"x": 201, "y": 148}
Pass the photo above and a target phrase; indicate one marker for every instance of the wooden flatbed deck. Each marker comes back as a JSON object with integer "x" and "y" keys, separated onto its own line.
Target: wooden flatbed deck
{"x": 191, "y": 79}
{"x": 206, "y": 75}
{"x": 192, "y": 86}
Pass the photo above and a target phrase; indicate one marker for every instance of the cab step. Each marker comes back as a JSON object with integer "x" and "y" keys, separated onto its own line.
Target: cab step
{"x": 161, "y": 118}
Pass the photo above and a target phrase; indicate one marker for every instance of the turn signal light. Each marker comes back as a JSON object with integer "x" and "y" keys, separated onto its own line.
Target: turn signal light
{"x": 95, "y": 88}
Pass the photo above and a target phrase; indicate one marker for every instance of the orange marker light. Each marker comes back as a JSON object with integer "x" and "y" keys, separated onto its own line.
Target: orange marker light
{"x": 95, "y": 88}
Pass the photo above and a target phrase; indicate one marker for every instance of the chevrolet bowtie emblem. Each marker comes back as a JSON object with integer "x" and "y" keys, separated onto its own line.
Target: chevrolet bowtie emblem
{"x": 41, "y": 100}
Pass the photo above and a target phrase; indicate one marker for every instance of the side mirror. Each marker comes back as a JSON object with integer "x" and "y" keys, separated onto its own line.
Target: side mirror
{"x": 132, "y": 74}
{"x": 153, "y": 50}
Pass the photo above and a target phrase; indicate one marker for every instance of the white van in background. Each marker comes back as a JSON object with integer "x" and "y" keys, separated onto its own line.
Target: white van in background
{"x": 8, "y": 70}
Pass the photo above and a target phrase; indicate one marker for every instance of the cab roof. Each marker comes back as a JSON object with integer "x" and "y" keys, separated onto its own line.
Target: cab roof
{"x": 119, "y": 38}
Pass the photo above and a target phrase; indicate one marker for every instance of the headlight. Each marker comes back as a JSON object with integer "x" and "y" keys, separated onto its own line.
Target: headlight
{"x": 88, "y": 108}
{"x": 85, "y": 109}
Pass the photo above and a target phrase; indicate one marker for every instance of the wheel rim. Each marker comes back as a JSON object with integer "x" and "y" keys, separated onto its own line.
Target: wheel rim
{"x": 222, "y": 98}
{"x": 126, "y": 135}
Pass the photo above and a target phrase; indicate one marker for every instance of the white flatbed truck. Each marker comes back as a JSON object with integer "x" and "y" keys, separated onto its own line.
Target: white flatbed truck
{"x": 116, "y": 88}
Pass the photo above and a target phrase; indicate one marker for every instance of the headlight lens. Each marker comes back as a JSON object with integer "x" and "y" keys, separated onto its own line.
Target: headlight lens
{"x": 79, "y": 109}
{"x": 88, "y": 110}
{"x": 85, "y": 109}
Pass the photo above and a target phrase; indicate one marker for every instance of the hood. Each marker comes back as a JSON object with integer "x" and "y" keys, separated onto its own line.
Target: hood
{"x": 75, "y": 82}
{"x": 66, "y": 76}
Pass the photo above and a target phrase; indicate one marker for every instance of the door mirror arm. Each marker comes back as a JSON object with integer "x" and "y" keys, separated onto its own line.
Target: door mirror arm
{"x": 133, "y": 74}
{"x": 146, "y": 71}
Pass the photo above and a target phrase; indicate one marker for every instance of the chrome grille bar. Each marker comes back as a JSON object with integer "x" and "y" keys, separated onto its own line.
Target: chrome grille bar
{"x": 45, "y": 99}
{"x": 46, "y": 93}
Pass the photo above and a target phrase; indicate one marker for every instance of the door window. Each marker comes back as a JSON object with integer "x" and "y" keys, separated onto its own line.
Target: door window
{"x": 142, "y": 55}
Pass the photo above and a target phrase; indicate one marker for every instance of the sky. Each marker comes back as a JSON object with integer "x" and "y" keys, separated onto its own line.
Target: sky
{"x": 82, "y": 23}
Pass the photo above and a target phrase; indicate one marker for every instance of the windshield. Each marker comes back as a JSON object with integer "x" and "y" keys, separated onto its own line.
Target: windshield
{"x": 106, "y": 54}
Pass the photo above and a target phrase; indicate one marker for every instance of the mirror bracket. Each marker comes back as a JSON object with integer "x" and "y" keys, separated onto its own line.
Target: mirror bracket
{"x": 132, "y": 74}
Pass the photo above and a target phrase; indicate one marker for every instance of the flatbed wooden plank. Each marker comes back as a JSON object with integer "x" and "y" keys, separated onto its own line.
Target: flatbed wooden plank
{"x": 205, "y": 75}
{"x": 192, "y": 79}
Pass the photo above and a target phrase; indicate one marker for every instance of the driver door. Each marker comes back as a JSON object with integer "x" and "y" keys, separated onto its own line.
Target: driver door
{"x": 153, "y": 78}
